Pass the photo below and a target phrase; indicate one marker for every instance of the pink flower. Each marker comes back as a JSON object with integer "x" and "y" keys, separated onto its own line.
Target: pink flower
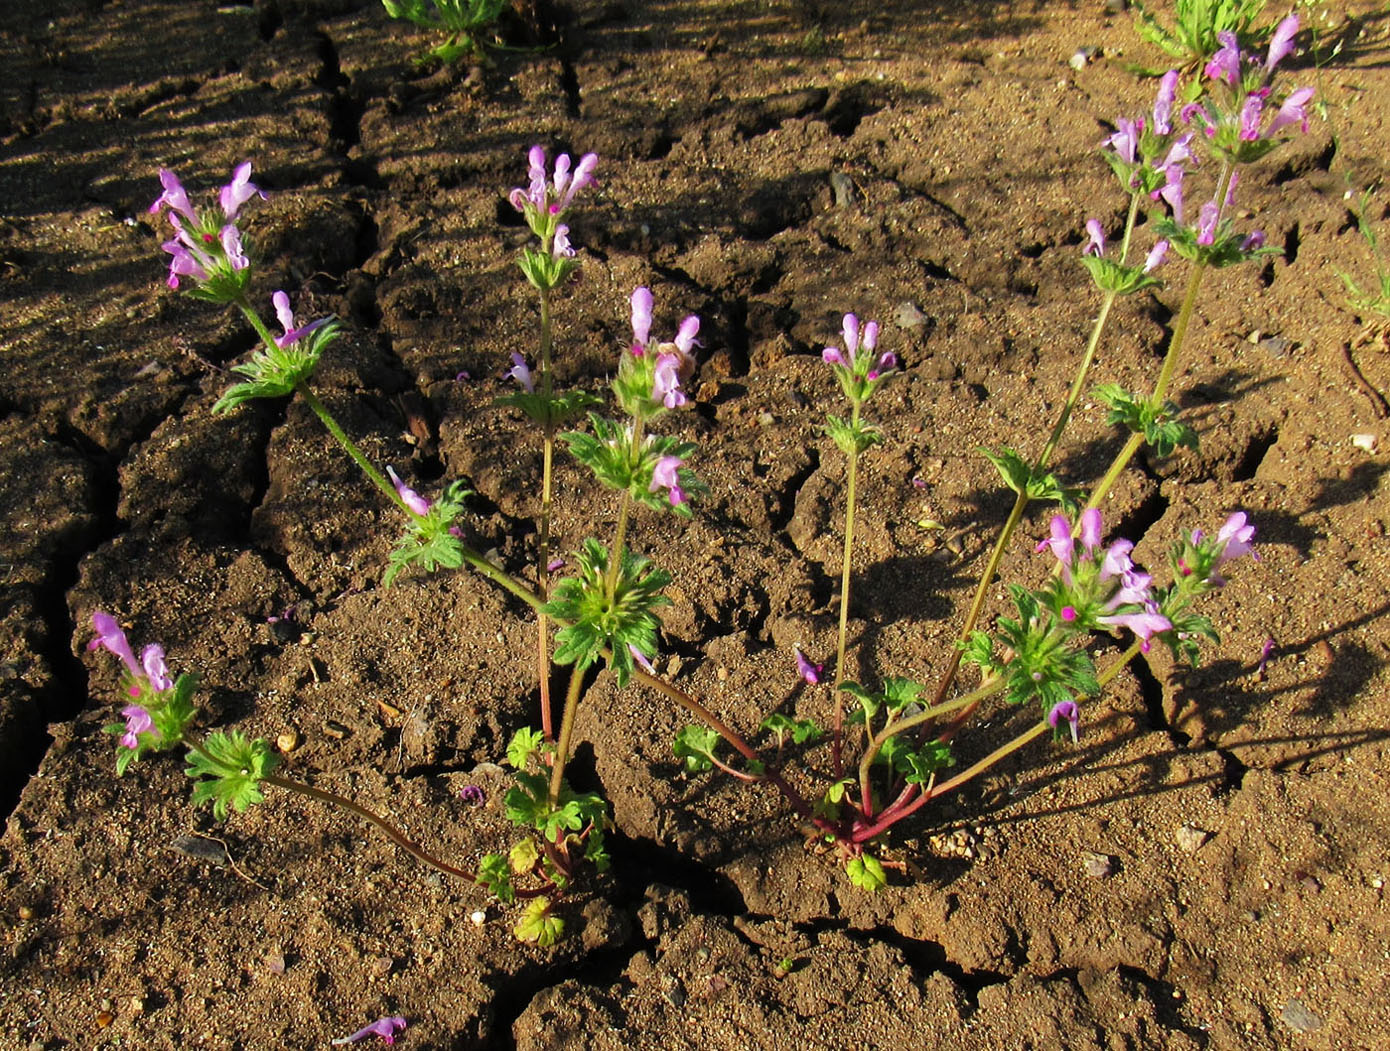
{"x": 808, "y": 671}
{"x": 665, "y": 476}
{"x": 1125, "y": 141}
{"x": 521, "y": 372}
{"x": 1095, "y": 244}
{"x": 285, "y": 316}
{"x": 1225, "y": 64}
{"x": 1281, "y": 43}
{"x": 386, "y": 1028}
{"x": 174, "y": 196}
{"x": 238, "y": 191}
{"x": 1065, "y": 712}
{"x": 641, "y": 658}
{"x": 137, "y": 722}
{"x": 409, "y": 496}
{"x": 641, "y": 319}
{"x": 1155, "y": 256}
{"x": 1293, "y": 111}
{"x": 152, "y": 659}
{"x": 666, "y": 383}
{"x": 110, "y": 636}
{"x": 1145, "y": 624}
{"x": 1235, "y": 535}
{"x": 1206, "y": 223}
{"x": 1163, "y": 104}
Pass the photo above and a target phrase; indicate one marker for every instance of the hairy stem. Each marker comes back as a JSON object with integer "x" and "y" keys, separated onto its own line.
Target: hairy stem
{"x": 543, "y": 523}
{"x": 847, "y": 560}
{"x": 562, "y": 747}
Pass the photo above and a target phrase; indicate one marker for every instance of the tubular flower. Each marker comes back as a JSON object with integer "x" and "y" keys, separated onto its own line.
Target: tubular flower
{"x": 521, "y": 372}
{"x": 1095, "y": 244}
{"x": 137, "y": 722}
{"x": 665, "y": 476}
{"x": 285, "y": 316}
{"x": 807, "y": 670}
{"x": 386, "y": 1028}
{"x": 1065, "y": 712}
{"x": 552, "y": 197}
{"x": 207, "y": 248}
{"x": 409, "y": 496}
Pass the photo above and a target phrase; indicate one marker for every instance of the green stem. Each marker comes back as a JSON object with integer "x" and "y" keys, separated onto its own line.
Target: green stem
{"x": 378, "y": 479}
{"x": 1044, "y": 457}
{"x": 389, "y": 830}
{"x": 846, "y": 564}
{"x": 543, "y": 523}
{"x": 562, "y": 747}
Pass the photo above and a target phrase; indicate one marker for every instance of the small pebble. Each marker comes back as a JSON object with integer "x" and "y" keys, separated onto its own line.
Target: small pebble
{"x": 1081, "y": 56}
{"x": 104, "y": 1019}
{"x": 1116, "y": 7}
{"x": 1276, "y": 346}
{"x": 477, "y": 918}
{"x": 275, "y": 963}
{"x": 908, "y": 315}
{"x": 1190, "y": 838}
{"x": 26, "y": 913}
{"x": 1097, "y": 866}
{"x": 1298, "y": 1018}
{"x": 1364, "y": 442}
{"x": 843, "y": 188}
{"x": 335, "y": 729}
{"x": 287, "y": 742}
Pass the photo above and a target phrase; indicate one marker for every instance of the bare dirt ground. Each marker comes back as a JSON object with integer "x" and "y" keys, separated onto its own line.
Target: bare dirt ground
{"x": 769, "y": 166}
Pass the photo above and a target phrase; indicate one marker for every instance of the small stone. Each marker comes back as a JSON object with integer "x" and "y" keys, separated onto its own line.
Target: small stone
{"x": 673, "y": 666}
{"x": 26, "y": 913}
{"x": 1116, "y": 7}
{"x": 766, "y": 419}
{"x": 1364, "y": 442}
{"x": 382, "y": 965}
{"x": 1190, "y": 838}
{"x": 477, "y": 918}
{"x": 909, "y": 316}
{"x": 843, "y": 188}
{"x": 1276, "y": 346}
{"x": 336, "y": 730}
{"x": 1096, "y": 865}
{"x": 1298, "y": 1018}
{"x": 275, "y": 963}
{"x": 287, "y": 742}
{"x": 137, "y": 1005}
{"x": 1081, "y": 56}
{"x": 104, "y": 1019}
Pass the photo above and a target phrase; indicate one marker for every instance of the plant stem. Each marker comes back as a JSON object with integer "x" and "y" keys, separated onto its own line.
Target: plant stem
{"x": 847, "y": 558}
{"x": 378, "y": 479}
{"x": 562, "y": 747}
{"x": 389, "y": 830}
{"x": 543, "y": 524}
{"x": 1044, "y": 457}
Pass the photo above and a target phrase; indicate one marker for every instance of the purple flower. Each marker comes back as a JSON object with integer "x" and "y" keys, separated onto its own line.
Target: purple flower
{"x": 1225, "y": 64}
{"x": 1163, "y": 104}
{"x": 1265, "y": 651}
{"x": 868, "y": 365}
{"x": 152, "y": 658}
{"x": 555, "y": 565}
{"x": 808, "y": 671}
{"x": 1116, "y": 562}
{"x": 1061, "y": 543}
{"x": 184, "y": 263}
{"x": 386, "y": 1028}
{"x": 174, "y": 196}
{"x": 641, "y": 658}
{"x": 1293, "y": 111}
{"x": 555, "y": 197}
{"x": 832, "y": 356}
{"x": 1206, "y": 223}
{"x": 560, "y": 246}
{"x": 522, "y": 373}
{"x": 641, "y": 319}
{"x": 137, "y": 722}
{"x": 1155, "y": 256}
{"x": 472, "y": 795}
{"x": 666, "y": 383}
{"x": 110, "y": 635}
{"x": 1090, "y": 529}
{"x": 1254, "y": 241}
{"x": 1125, "y": 141}
{"x": 1281, "y": 43}
{"x": 665, "y": 476}
{"x": 1068, "y": 613}
{"x": 1145, "y": 624}
{"x": 285, "y": 316}
{"x": 1095, "y": 244}
{"x": 1231, "y": 189}
{"x": 1068, "y": 712}
{"x": 230, "y": 237}
{"x": 1133, "y": 590}
{"x": 409, "y": 496}
{"x": 1172, "y": 192}
{"x": 1251, "y": 114}
{"x": 238, "y": 191}
{"x": 1235, "y": 537}
{"x": 685, "y": 336}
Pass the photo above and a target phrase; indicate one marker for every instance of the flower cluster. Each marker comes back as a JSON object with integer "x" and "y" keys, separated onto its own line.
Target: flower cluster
{"x": 207, "y": 247}
{"x": 1099, "y": 586}
{"x": 547, "y": 198}
{"x": 651, "y": 374}
{"x": 162, "y": 705}
{"x": 860, "y": 367}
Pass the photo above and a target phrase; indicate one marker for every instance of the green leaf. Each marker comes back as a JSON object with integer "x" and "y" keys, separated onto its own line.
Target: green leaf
{"x": 496, "y": 875}
{"x": 527, "y": 803}
{"x": 523, "y": 743}
{"x": 428, "y": 541}
{"x": 695, "y": 744}
{"x": 866, "y": 873}
{"x": 523, "y": 856}
{"x": 537, "y": 926}
{"x": 1111, "y": 276}
{"x": 228, "y": 771}
{"x": 276, "y": 371}
{"x": 1011, "y": 467}
{"x": 850, "y": 436}
{"x": 783, "y": 726}
{"x": 557, "y": 410}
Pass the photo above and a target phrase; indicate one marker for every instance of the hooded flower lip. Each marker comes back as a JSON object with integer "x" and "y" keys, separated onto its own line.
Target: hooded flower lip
{"x": 1163, "y": 103}
{"x": 137, "y": 722}
{"x": 238, "y": 191}
{"x": 1068, "y": 712}
{"x": 641, "y": 658}
{"x": 1144, "y": 624}
{"x": 666, "y": 384}
{"x": 665, "y": 476}
{"x": 386, "y": 1028}
{"x": 409, "y": 496}
{"x": 808, "y": 670}
{"x": 1281, "y": 43}
{"x": 642, "y": 303}
{"x": 110, "y": 635}
{"x": 1235, "y": 536}
{"x": 1095, "y": 238}
{"x": 555, "y": 196}
{"x": 285, "y": 316}
{"x": 521, "y": 372}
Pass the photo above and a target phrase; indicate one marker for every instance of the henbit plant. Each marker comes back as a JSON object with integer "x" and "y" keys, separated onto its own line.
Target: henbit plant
{"x": 607, "y": 607}
{"x": 462, "y": 20}
{"x": 1197, "y": 27}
